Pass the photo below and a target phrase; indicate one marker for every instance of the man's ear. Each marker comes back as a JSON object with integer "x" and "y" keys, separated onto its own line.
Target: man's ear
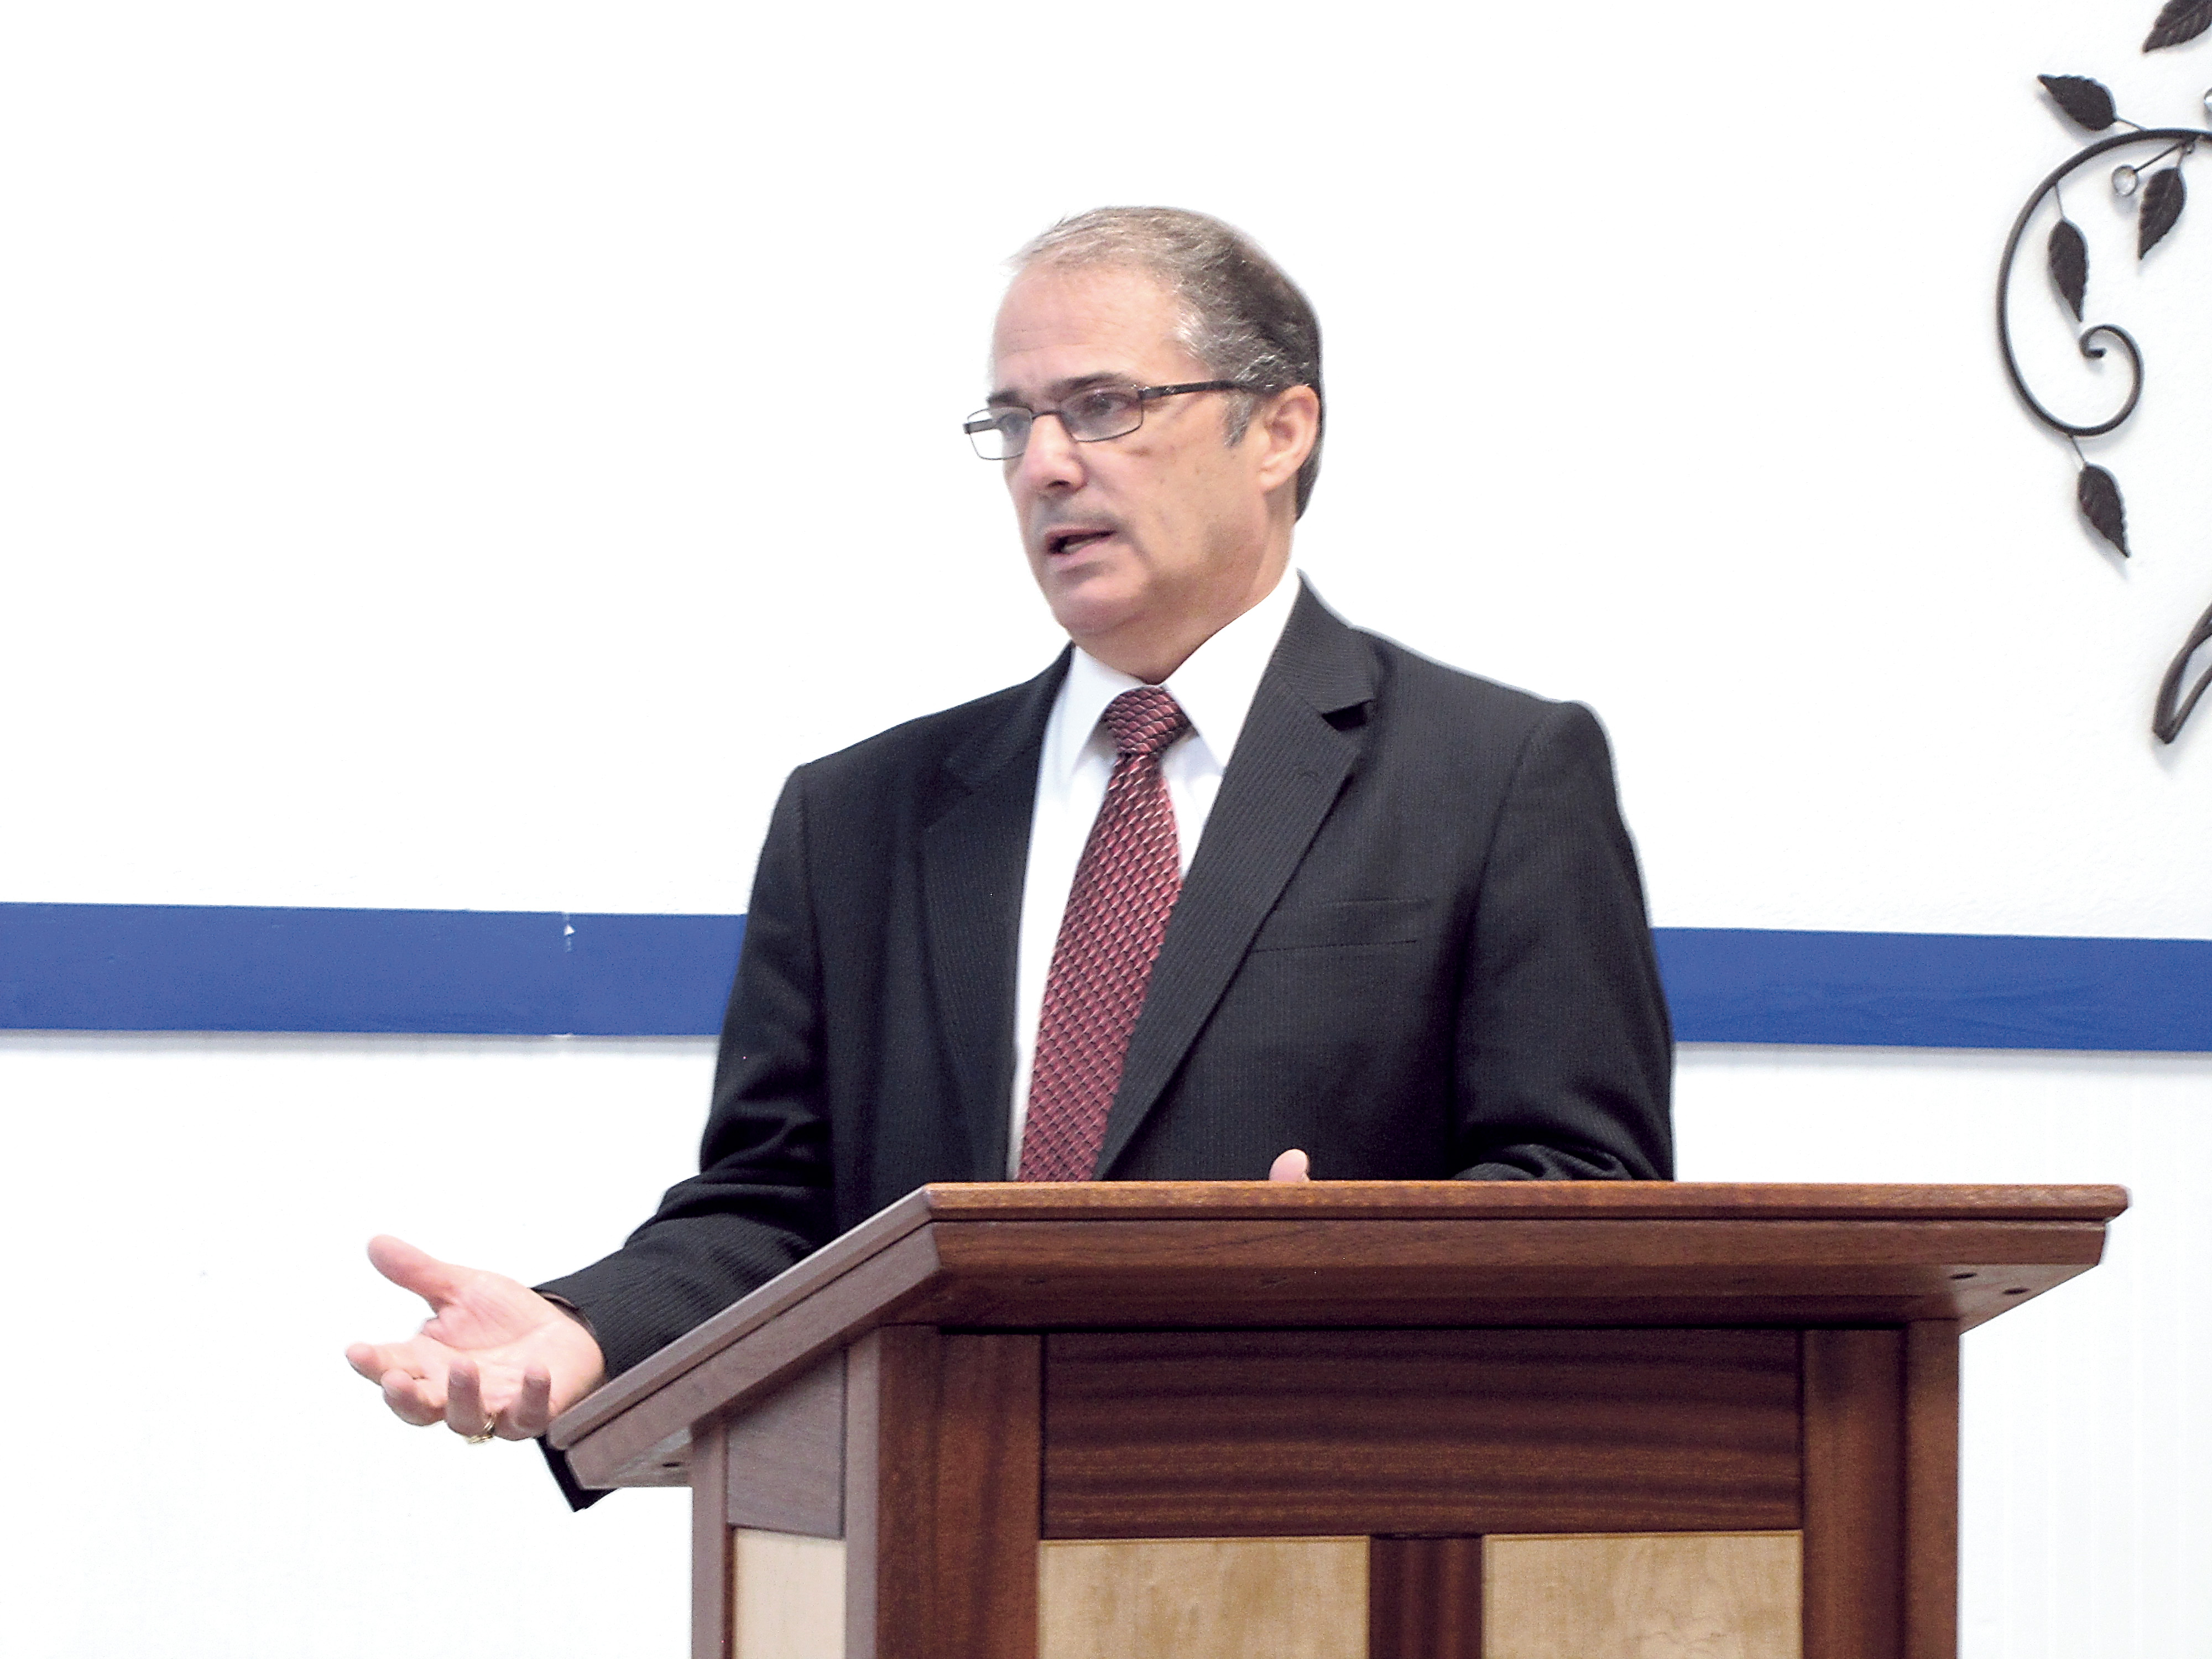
{"x": 1288, "y": 425}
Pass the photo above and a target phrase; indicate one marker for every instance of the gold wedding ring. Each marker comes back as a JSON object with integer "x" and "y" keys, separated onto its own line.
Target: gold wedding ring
{"x": 490, "y": 1431}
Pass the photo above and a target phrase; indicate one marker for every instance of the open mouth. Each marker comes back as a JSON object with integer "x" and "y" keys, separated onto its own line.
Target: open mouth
{"x": 1072, "y": 541}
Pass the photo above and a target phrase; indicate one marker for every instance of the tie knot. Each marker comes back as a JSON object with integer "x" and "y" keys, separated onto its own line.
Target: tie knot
{"x": 1146, "y": 721}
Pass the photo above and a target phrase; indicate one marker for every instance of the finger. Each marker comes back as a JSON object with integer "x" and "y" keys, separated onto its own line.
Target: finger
{"x": 1292, "y": 1165}
{"x": 466, "y": 1412}
{"x": 527, "y": 1416}
{"x": 436, "y": 1282}
{"x": 414, "y": 1400}
{"x": 372, "y": 1361}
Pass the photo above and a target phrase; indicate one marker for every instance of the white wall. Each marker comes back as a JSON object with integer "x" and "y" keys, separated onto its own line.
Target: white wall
{"x": 425, "y": 427}
{"x": 198, "y": 1473}
{"x": 464, "y": 454}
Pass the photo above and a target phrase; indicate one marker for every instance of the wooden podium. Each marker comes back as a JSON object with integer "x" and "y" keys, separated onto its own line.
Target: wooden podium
{"x": 1425, "y": 1421}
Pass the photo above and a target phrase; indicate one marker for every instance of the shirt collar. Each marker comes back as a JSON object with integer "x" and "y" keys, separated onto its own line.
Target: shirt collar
{"x": 1214, "y": 687}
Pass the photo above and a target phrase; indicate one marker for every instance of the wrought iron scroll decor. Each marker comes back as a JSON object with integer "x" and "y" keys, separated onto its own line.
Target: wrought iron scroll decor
{"x": 2154, "y": 185}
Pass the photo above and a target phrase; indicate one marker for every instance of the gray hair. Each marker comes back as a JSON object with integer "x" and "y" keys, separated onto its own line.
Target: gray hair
{"x": 1241, "y": 316}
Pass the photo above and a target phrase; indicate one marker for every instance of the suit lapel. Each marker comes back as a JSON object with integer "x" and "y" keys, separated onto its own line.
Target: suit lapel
{"x": 975, "y": 854}
{"x": 1291, "y": 761}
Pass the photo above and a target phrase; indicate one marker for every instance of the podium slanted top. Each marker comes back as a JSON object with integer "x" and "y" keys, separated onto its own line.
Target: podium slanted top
{"x": 1337, "y": 1254}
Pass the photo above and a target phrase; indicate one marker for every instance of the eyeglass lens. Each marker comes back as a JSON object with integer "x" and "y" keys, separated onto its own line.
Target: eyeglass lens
{"x": 1001, "y": 434}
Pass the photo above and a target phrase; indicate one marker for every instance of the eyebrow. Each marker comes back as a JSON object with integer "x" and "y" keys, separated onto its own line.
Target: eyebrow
{"x": 1060, "y": 391}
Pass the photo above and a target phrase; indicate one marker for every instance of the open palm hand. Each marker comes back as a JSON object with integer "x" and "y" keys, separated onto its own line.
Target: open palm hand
{"x": 494, "y": 1358}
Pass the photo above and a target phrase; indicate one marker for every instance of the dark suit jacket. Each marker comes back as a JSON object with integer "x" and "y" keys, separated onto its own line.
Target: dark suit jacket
{"x": 1412, "y": 942}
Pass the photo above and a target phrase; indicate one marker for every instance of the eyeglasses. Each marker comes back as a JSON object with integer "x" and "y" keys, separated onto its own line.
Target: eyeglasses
{"x": 1090, "y": 416}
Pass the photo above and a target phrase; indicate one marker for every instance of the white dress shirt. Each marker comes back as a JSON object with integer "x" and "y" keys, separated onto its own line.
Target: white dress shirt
{"x": 1214, "y": 689}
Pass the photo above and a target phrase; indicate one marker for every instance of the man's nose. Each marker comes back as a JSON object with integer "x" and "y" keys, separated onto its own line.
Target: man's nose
{"x": 1051, "y": 457}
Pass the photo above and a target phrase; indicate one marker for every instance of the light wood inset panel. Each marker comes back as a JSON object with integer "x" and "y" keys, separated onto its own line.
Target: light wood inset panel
{"x": 1204, "y": 1598}
{"x": 1654, "y": 1595}
{"x": 790, "y": 1596}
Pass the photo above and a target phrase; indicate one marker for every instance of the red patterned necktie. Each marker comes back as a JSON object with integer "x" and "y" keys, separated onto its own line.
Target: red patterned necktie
{"x": 1109, "y": 936}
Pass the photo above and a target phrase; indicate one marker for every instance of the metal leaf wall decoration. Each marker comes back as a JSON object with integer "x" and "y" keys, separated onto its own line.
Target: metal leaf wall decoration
{"x": 2163, "y": 196}
{"x": 2172, "y": 707}
{"x": 2099, "y": 493}
{"x": 2087, "y": 103}
{"x": 2070, "y": 264}
{"x": 2180, "y": 21}
{"x": 2158, "y": 194}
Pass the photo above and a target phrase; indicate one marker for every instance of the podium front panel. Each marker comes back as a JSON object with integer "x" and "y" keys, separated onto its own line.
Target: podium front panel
{"x": 1453, "y": 1433}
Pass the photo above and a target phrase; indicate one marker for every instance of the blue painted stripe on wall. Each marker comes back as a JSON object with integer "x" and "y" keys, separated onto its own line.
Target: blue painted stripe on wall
{"x": 203, "y": 968}
{"x": 219, "y": 968}
{"x": 1937, "y": 990}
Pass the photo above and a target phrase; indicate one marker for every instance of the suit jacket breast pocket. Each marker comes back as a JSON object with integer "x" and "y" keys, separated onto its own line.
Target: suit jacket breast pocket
{"x": 1351, "y": 922}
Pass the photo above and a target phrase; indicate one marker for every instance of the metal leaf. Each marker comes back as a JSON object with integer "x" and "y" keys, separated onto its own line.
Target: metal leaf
{"x": 2099, "y": 493}
{"x": 2070, "y": 264}
{"x": 2173, "y": 707}
{"x": 2086, "y": 102}
{"x": 2162, "y": 199}
{"x": 2179, "y": 21}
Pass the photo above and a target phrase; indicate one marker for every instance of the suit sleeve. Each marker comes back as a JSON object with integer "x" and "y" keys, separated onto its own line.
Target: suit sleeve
{"x": 1564, "y": 1055}
{"x": 762, "y": 1199}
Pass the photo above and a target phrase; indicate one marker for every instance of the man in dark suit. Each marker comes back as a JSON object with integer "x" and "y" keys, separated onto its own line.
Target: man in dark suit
{"x": 1233, "y": 889}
